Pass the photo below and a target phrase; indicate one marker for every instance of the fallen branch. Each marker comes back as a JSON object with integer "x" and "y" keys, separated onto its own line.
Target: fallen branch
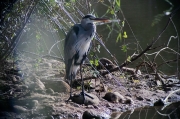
{"x": 166, "y": 99}
{"x": 167, "y": 62}
{"x": 132, "y": 71}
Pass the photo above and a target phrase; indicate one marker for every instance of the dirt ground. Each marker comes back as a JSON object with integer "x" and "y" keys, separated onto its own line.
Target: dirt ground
{"x": 35, "y": 88}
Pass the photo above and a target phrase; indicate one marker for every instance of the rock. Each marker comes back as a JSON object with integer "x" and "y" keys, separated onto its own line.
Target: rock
{"x": 88, "y": 101}
{"x": 116, "y": 115}
{"x": 148, "y": 99}
{"x": 108, "y": 105}
{"x": 39, "y": 84}
{"x": 115, "y": 109}
{"x": 139, "y": 98}
{"x": 159, "y": 83}
{"x": 114, "y": 97}
{"x": 120, "y": 97}
{"x": 95, "y": 114}
{"x": 111, "y": 97}
{"x": 24, "y": 87}
{"x": 62, "y": 104}
{"x": 45, "y": 65}
{"x": 37, "y": 96}
{"x": 14, "y": 79}
{"x": 34, "y": 103}
{"x": 34, "y": 83}
{"x": 90, "y": 106}
{"x": 101, "y": 88}
{"x": 104, "y": 62}
{"x": 50, "y": 91}
{"x": 159, "y": 102}
{"x": 19, "y": 109}
{"x": 59, "y": 86}
{"x": 129, "y": 100}
{"x": 75, "y": 105}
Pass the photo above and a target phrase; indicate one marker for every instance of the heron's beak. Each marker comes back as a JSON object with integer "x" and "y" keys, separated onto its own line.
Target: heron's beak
{"x": 100, "y": 20}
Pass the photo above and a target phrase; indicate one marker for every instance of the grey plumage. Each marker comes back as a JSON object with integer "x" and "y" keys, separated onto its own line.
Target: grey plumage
{"x": 77, "y": 44}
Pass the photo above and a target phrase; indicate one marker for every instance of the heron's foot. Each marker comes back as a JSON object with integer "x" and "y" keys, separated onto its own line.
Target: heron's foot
{"x": 70, "y": 98}
{"x": 84, "y": 94}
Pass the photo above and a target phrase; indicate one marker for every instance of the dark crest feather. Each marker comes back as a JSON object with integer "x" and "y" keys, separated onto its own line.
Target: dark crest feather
{"x": 88, "y": 16}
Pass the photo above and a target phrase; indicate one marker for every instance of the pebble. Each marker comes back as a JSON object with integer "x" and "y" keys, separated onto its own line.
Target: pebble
{"x": 129, "y": 100}
{"x": 139, "y": 98}
{"x": 35, "y": 103}
{"x": 62, "y": 104}
{"x": 108, "y": 105}
{"x": 90, "y": 107}
{"x": 50, "y": 91}
{"x": 39, "y": 84}
{"x": 19, "y": 109}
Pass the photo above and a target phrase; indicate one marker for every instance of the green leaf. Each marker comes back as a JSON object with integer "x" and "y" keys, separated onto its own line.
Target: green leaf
{"x": 78, "y": 87}
{"x": 129, "y": 59}
{"x": 112, "y": 11}
{"x": 96, "y": 62}
{"x": 118, "y": 3}
{"x": 91, "y": 62}
{"x": 124, "y": 48}
{"x": 98, "y": 48}
{"x": 125, "y": 35}
{"x": 95, "y": 73}
{"x": 119, "y": 37}
{"x": 123, "y": 23}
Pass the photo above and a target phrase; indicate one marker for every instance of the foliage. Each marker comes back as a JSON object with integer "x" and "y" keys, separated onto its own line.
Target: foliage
{"x": 51, "y": 20}
{"x": 94, "y": 62}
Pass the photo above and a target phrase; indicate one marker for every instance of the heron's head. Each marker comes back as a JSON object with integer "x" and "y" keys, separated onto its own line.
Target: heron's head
{"x": 89, "y": 18}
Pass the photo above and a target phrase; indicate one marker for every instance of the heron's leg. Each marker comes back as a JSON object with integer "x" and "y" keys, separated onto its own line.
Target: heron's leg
{"x": 70, "y": 96}
{"x": 82, "y": 84}
{"x": 70, "y": 87}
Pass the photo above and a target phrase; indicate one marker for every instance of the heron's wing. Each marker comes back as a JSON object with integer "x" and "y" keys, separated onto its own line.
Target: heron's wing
{"x": 70, "y": 41}
{"x": 69, "y": 48}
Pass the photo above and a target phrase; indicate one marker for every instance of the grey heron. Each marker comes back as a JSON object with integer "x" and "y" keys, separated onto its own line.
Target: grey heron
{"x": 76, "y": 47}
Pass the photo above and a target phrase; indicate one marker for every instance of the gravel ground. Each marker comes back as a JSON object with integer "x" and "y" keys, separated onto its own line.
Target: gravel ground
{"x": 36, "y": 89}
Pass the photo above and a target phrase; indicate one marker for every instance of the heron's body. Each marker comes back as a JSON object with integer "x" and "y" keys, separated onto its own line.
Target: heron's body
{"x": 77, "y": 49}
{"x": 76, "y": 46}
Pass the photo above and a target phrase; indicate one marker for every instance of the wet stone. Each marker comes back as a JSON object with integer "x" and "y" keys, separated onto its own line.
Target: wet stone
{"x": 95, "y": 114}
{"x": 88, "y": 101}
{"x": 116, "y": 115}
